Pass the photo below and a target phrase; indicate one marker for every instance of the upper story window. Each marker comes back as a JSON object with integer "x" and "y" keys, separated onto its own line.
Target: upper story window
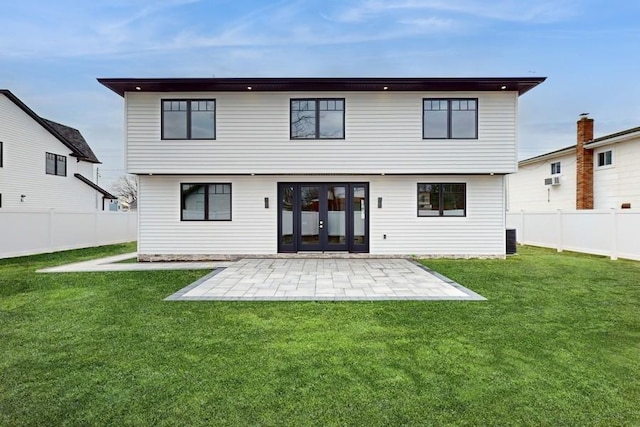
{"x": 605, "y": 158}
{"x": 206, "y": 202}
{"x": 442, "y": 199}
{"x": 188, "y": 119}
{"x": 56, "y": 164}
{"x": 450, "y": 118}
{"x": 555, "y": 168}
{"x": 317, "y": 118}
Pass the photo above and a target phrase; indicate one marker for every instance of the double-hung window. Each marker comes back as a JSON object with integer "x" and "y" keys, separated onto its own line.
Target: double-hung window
{"x": 56, "y": 164}
{"x": 320, "y": 118}
{"x": 442, "y": 199}
{"x": 450, "y": 118}
{"x": 188, "y": 119}
{"x": 206, "y": 202}
{"x": 605, "y": 158}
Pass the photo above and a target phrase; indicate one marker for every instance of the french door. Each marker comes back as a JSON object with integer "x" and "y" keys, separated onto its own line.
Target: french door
{"x": 323, "y": 217}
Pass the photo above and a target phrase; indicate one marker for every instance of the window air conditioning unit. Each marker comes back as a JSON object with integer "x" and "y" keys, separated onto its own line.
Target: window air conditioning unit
{"x": 554, "y": 180}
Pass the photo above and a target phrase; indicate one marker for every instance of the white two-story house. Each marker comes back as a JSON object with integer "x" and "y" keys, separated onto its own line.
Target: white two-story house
{"x": 594, "y": 173}
{"x": 261, "y": 166}
{"x": 44, "y": 164}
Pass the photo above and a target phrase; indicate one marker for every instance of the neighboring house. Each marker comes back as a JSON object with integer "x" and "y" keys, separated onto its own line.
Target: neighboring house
{"x": 372, "y": 165}
{"x": 595, "y": 173}
{"x": 44, "y": 164}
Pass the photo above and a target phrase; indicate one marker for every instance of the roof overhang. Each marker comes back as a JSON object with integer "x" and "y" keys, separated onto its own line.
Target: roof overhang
{"x": 520, "y": 85}
{"x": 105, "y": 193}
{"x": 625, "y": 135}
{"x": 547, "y": 156}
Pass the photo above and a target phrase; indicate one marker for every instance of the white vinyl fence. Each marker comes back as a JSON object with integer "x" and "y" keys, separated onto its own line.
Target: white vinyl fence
{"x": 611, "y": 232}
{"x": 40, "y": 231}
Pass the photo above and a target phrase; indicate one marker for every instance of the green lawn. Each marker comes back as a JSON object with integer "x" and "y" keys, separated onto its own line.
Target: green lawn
{"x": 556, "y": 344}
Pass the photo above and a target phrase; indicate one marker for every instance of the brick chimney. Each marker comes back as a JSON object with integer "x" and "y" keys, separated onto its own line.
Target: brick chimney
{"x": 584, "y": 165}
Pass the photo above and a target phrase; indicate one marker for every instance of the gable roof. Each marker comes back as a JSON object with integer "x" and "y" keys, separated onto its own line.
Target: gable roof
{"x": 70, "y": 137}
{"x": 342, "y": 84}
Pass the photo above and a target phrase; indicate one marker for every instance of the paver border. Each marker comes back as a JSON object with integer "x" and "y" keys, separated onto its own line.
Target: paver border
{"x": 179, "y": 296}
{"x": 475, "y": 296}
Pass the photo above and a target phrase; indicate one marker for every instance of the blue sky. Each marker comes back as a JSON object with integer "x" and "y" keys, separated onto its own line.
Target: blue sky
{"x": 51, "y": 53}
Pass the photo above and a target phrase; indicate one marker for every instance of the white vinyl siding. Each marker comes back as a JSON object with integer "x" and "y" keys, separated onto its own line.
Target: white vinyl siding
{"x": 25, "y": 143}
{"x": 528, "y": 191}
{"x": 254, "y": 227}
{"x": 618, "y": 183}
{"x": 383, "y": 134}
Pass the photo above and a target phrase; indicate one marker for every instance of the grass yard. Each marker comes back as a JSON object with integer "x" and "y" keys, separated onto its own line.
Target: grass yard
{"x": 556, "y": 344}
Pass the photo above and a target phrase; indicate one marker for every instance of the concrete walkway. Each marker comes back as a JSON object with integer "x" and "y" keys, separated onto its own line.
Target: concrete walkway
{"x": 114, "y": 263}
{"x": 296, "y": 279}
{"x": 324, "y": 279}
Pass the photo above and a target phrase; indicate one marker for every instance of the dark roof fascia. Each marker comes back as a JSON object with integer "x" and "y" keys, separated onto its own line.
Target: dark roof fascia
{"x": 42, "y": 122}
{"x": 105, "y": 193}
{"x": 340, "y": 84}
{"x": 564, "y": 150}
{"x": 613, "y": 135}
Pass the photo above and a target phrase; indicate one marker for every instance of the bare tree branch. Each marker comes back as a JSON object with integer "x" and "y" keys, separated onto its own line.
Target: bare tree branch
{"x": 126, "y": 188}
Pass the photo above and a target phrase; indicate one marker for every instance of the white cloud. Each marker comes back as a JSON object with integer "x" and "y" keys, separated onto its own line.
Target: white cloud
{"x": 541, "y": 11}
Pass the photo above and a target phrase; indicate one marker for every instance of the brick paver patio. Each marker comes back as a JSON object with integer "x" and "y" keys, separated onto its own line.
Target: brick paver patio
{"x": 324, "y": 279}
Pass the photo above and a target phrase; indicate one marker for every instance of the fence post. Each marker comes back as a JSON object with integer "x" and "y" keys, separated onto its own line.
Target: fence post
{"x": 522, "y": 239}
{"x": 560, "y": 242}
{"x": 50, "y": 243}
{"x": 614, "y": 235}
{"x": 96, "y": 239}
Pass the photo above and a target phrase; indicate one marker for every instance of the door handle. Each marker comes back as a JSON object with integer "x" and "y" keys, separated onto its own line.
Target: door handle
{"x": 321, "y": 224}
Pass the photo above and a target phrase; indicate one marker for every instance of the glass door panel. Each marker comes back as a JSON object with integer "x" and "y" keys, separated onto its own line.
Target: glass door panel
{"x": 310, "y": 224}
{"x": 336, "y": 214}
{"x": 286, "y": 215}
{"x": 359, "y": 202}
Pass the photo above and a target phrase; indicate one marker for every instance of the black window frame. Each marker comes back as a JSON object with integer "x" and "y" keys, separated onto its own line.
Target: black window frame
{"x": 603, "y": 155}
{"x": 556, "y": 168}
{"x": 441, "y": 200}
{"x": 206, "y": 200}
{"x": 1, "y": 154}
{"x": 56, "y": 158}
{"x": 449, "y": 116}
{"x": 189, "y": 112}
{"x": 317, "y": 118}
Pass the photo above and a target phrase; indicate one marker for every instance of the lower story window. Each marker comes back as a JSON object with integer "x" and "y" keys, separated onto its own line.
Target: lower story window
{"x": 206, "y": 202}
{"x": 442, "y": 199}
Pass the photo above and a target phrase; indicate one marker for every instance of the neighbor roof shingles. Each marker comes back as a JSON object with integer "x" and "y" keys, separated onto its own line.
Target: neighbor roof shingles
{"x": 70, "y": 137}
{"x": 75, "y": 139}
